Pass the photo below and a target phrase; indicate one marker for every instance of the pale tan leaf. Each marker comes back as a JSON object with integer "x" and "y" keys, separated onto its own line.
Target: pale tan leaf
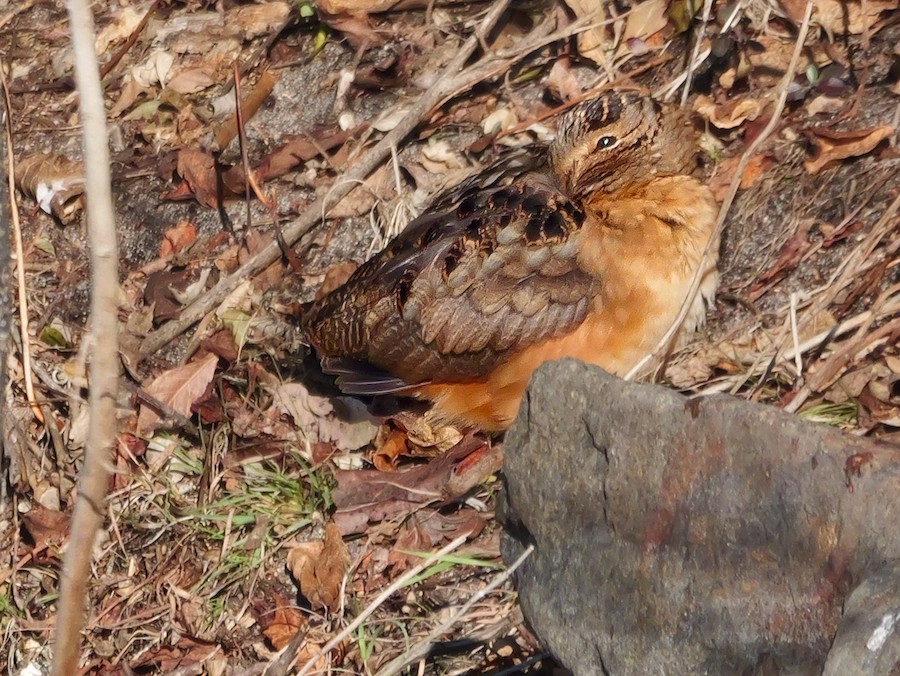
{"x": 645, "y": 19}
{"x": 592, "y": 43}
{"x": 730, "y": 114}
{"x": 178, "y": 388}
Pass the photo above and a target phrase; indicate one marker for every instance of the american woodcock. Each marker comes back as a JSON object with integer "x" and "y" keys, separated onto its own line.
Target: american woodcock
{"x": 590, "y": 257}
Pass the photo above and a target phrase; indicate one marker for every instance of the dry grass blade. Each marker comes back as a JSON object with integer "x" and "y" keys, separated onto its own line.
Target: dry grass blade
{"x": 380, "y": 599}
{"x": 20, "y": 258}
{"x": 422, "y": 648}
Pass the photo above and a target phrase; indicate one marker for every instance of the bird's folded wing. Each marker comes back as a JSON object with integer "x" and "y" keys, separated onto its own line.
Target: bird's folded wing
{"x": 458, "y": 292}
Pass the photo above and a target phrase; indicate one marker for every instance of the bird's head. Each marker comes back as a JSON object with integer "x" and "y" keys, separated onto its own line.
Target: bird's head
{"x": 618, "y": 138}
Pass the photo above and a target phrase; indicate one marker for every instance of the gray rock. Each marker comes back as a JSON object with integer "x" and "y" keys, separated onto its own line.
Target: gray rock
{"x": 698, "y": 536}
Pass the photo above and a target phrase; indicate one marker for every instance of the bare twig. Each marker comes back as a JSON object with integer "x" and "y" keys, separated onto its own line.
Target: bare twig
{"x": 20, "y": 259}
{"x": 665, "y": 344}
{"x": 421, "y": 649}
{"x": 94, "y": 475}
{"x": 448, "y": 82}
{"x": 5, "y": 307}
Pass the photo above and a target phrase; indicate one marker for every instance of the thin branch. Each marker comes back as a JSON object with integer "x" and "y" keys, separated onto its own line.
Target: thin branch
{"x": 664, "y": 346}
{"x": 20, "y": 260}
{"x": 6, "y": 189}
{"x": 435, "y": 95}
{"x": 94, "y": 475}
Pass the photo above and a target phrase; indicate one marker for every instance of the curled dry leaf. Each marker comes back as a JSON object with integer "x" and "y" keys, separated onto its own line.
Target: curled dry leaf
{"x": 732, "y": 113}
{"x": 833, "y": 146}
{"x": 178, "y": 388}
{"x": 341, "y": 421}
{"x": 561, "y": 81}
{"x": 319, "y": 568}
{"x": 45, "y": 526}
{"x": 55, "y": 182}
{"x": 389, "y": 446}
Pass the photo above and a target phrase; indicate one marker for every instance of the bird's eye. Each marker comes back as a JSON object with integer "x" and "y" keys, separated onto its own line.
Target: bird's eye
{"x": 606, "y": 142}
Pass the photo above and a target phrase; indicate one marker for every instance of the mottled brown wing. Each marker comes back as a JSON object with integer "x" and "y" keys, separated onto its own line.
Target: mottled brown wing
{"x": 457, "y": 292}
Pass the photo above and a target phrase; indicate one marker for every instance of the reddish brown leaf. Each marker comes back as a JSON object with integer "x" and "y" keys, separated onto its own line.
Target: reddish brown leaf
{"x": 389, "y": 449}
{"x": 178, "y": 388}
{"x": 283, "y": 623}
{"x": 412, "y": 538}
{"x": 159, "y": 292}
{"x": 221, "y": 344}
{"x": 45, "y": 526}
{"x": 832, "y": 146}
{"x": 178, "y": 238}
{"x": 758, "y": 165}
{"x": 336, "y": 275}
{"x": 364, "y": 495}
{"x": 303, "y": 148}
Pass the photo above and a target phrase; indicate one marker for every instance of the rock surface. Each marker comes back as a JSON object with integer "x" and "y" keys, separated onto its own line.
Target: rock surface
{"x": 699, "y": 536}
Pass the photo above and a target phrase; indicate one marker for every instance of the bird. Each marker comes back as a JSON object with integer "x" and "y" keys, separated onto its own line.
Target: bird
{"x": 589, "y": 254}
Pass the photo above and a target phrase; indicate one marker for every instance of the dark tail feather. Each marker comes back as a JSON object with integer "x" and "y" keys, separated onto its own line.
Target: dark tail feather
{"x": 362, "y": 379}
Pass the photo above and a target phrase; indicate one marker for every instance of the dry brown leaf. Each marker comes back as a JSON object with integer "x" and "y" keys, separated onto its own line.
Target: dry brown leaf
{"x": 303, "y": 148}
{"x": 178, "y": 238}
{"x": 730, "y": 114}
{"x": 192, "y": 80}
{"x": 833, "y": 146}
{"x": 46, "y": 526}
{"x": 258, "y": 18}
{"x": 319, "y": 568}
{"x": 790, "y": 256}
{"x": 362, "y": 496}
{"x": 720, "y": 183}
{"x": 335, "y": 276}
{"x": 198, "y": 169}
{"x": 592, "y": 43}
{"x": 178, "y": 388}
{"x": 286, "y": 621}
{"x": 412, "y": 538}
{"x": 363, "y": 198}
{"x": 389, "y": 449}
{"x": 55, "y": 182}
{"x": 126, "y": 20}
